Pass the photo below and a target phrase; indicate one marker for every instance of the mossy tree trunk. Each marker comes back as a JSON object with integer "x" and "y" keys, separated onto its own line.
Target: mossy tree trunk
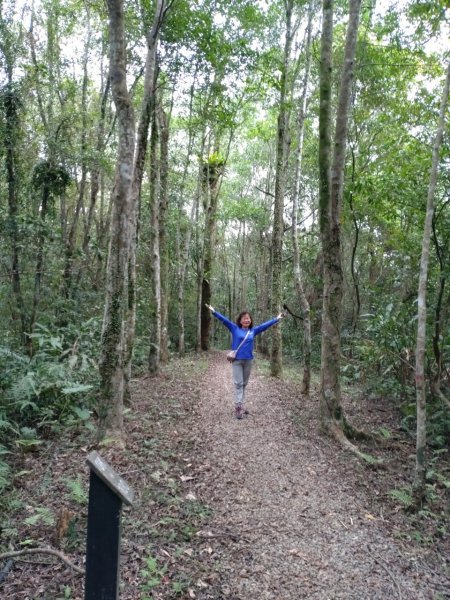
{"x": 11, "y": 110}
{"x": 111, "y": 363}
{"x": 331, "y": 175}
{"x": 155, "y": 316}
{"x": 283, "y": 143}
{"x": 163, "y": 125}
{"x": 146, "y": 111}
{"x": 212, "y": 171}
{"x": 296, "y": 258}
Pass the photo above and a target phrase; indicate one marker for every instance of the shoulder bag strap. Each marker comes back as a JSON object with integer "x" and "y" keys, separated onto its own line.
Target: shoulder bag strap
{"x": 239, "y": 347}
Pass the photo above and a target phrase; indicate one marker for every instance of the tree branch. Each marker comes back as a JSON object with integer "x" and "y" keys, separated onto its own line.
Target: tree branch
{"x": 51, "y": 551}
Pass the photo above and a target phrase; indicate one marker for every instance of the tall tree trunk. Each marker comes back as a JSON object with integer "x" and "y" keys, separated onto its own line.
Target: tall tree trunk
{"x": 155, "y": 318}
{"x": 146, "y": 112}
{"x": 421, "y": 440}
{"x": 183, "y": 244}
{"x": 355, "y": 276}
{"x": 163, "y": 241}
{"x": 111, "y": 363}
{"x": 95, "y": 171}
{"x": 298, "y": 277}
{"x": 212, "y": 172}
{"x": 331, "y": 193}
{"x": 243, "y": 279}
{"x": 283, "y": 142}
{"x": 11, "y": 105}
{"x": 39, "y": 260}
{"x": 71, "y": 238}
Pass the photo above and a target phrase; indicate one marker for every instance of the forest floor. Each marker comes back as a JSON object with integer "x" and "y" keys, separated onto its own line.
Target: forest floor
{"x": 260, "y": 508}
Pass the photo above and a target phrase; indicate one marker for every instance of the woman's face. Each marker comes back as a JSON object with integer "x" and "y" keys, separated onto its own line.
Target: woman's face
{"x": 245, "y": 321}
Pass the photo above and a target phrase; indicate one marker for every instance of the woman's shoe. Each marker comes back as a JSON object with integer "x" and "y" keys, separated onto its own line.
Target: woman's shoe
{"x": 239, "y": 412}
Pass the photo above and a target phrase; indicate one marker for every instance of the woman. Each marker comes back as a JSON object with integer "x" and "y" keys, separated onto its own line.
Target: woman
{"x": 243, "y": 335}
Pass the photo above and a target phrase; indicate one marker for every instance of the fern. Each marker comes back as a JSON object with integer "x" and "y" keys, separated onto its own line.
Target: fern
{"x": 371, "y": 460}
{"x": 42, "y": 515}
{"x": 385, "y": 433}
{"x": 5, "y": 473}
{"x": 77, "y": 492}
{"x": 403, "y": 496}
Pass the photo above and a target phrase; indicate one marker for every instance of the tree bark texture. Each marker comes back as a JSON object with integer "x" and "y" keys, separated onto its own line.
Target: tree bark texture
{"x": 298, "y": 275}
{"x": 283, "y": 142}
{"x": 111, "y": 364}
{"x": 212, "y": 171}
{"x": 146, "y": 110}
{"x": 439, "y": 319}
{"x": 163, "y": 126}
{"x": 331, "y": 192}
{"x": 421, "y": 439}
{"x": 11, "y": 105}
{"x": 183, "y": 243}
{"x": 72, "y": 237}
{"x": 155, "y": 319}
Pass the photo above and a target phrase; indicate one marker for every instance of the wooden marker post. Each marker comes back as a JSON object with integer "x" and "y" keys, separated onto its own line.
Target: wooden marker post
{"x": 107, "y": 491}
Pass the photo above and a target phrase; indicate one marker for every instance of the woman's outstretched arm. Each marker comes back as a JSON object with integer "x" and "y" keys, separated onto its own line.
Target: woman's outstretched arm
{"x": 229, "y": 324}
{"x": 260, "y": 328}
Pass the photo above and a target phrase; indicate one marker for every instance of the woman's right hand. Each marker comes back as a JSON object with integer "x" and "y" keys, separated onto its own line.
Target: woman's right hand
{"x": 210, "y": 307}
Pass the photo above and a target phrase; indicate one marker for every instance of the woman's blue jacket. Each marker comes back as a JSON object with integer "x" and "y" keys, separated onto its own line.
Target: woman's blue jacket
{"x": 238, "y": 334}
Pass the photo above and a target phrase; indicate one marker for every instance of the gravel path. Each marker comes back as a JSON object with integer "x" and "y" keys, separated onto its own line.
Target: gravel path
{"x": 291, "y": 519}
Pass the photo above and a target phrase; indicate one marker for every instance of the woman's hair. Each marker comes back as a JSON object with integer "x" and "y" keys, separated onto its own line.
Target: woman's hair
{"x": 240, "y": 315}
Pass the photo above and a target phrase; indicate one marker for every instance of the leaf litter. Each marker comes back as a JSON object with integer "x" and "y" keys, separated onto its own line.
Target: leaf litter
{"x": 261, "y": 508}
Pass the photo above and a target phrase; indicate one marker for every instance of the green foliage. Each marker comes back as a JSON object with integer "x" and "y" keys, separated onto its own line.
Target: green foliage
{"x": 41, "y": 515}
{"x": 78, "y": 494}
{"x": 403, "y": 496}
{"x": 385, "y": 433}
{"x": 370, "y": 460}
{"x": 51, "y": 389}
{"x": 152, "y": 575}
{"x": 387, "y": 350}
{"x": 438, "y": 425}
{"x": 54, "y": 178}
{"x": 27, "y": 439}
{"x": 5, "y": 470}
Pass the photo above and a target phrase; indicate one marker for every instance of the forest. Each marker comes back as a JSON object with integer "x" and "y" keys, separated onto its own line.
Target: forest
{"x": 159, "y": 156}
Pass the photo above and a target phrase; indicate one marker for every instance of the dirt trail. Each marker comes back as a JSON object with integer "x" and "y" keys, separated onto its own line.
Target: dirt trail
{"x": 291, "y": 513}
{"x": 265, "y": 508}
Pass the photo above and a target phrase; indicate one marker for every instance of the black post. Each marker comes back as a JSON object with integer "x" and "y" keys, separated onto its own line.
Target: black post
{"x": 106, "y": 492}
{"x": 103, "y": 542}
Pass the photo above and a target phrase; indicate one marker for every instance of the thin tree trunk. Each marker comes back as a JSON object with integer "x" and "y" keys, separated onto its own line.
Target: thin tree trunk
{"x": 163, "y": 242}
{"x": 298, "y": 278}
{"x": 146, "y": 111}
{"x": 212, "y": 172}
{"x": 283, "y": 143}
{"x": 331, "y": 192}
{"x": 11, "y": 105}
{"x": 71, "y": 238}
{"x": 184, "y": 245}
{"x": 155, "y": 319}
{"x": 39, "y": 260}
{"x": 355, "y": 277}
{"x": 421, "y": 440}
{"x": 95, "y": 171}
{"x": 438, "y": 321}
{"x": 111, "y": 363}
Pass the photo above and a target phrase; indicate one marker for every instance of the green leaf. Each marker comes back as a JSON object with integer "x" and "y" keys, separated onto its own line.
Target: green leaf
{"x": 76, "y": 389}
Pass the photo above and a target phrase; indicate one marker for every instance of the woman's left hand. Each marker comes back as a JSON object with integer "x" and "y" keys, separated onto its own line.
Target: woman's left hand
{"x": 281, "y": 315}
